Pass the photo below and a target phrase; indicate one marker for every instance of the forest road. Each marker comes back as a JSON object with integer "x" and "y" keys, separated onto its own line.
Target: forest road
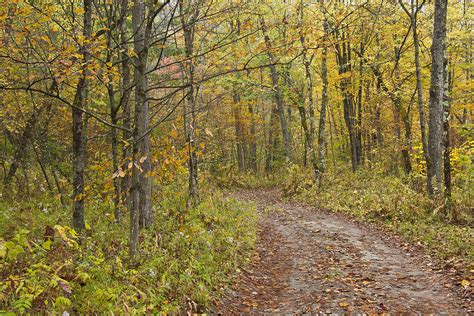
{"x": 313, "y": 261}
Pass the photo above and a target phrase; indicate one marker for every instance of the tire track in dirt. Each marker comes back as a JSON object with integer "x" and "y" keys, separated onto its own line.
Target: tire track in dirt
{"x": 309, "y": 261}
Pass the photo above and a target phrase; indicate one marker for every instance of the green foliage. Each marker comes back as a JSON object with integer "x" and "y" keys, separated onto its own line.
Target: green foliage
{"x": 185, "y": 258}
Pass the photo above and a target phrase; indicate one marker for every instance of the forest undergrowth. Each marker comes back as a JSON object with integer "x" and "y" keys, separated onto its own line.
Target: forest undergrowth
{"x": 187, "y": 260}
{"x": 184, "y": 260}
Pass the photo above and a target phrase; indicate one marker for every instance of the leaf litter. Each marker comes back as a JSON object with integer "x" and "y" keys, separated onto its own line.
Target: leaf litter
{"x": 314, "y": 261}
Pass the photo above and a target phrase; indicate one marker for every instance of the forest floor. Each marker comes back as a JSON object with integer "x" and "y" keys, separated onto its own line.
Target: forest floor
{"x": 308, "y": 260}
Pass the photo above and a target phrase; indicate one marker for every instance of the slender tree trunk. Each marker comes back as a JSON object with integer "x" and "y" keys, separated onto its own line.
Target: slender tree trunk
{"x": 435, "y": 140}
{"x": 137, "y": 185}
{"x": 378, "y": 123}
{"x": 79, "y": 128}
{"x": 359, "y": 108}
{"x": 238, "y": 132}
{"x": 188, "y": 30}
{"x": 331, "y": 136}
{"x": 242, "y": 148}
{"x": 447, "y": 145}
{"x": 368, "y": 131}
{"x": 308, "y": 130}
{"x": 125, "y": 104}
{"x": 343, "y": 59}
{"x": 253, "y": 141}
{"x": 271, "y": 128}
{"x": 407, "y": 145}
{"x": 277, "y": 93}
{"x": 400, "y": 116}
{"x": 305, "y": 149}
{"x": 115, "y": 159}
{"x": 113, "y": 108}
{"x": 141, "y": 46}
{"x": 322, "y": 117}
{"x": 421, "y": 109}
{"x": 307, "y": 136}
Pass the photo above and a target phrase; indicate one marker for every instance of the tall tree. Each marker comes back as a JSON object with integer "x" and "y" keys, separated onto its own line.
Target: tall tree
{"x": 189, "y": 14}
{"x": 447, "y": 142}
{"x": 124, "y": 103}
{"x": 437, "y": 87}
{"x": 324, "y": 105}
{"x": 415, "y": 7}
{"x": 78, "y": 127}
{"x": 277, "y": 91}
{"x": 308, "y": 130}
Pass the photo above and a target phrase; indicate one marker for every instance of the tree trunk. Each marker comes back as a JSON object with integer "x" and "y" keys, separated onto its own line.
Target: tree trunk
{"x": 271, "y": 128}
{"x": 253, "y": 141}
{"x": 358, "y": 115}
{"x": 188, "y": 30}
{"x": 307, "y": 136}
{"x": 447, "y": 145}
{"x": 407, "y": 145}
{"x": 343, "y": 59}
{"x": 79, "y": 128}
{"x": 308, "y": 131}
{"x": 322, "y": 117}
{"x": 125, "y": 104}
{"x": 421, "y": 109}
{"x": 238, "y": 132}
{"x": 331, "y": 136}
{"x": 138, "y": 186}
{"x": 113, "y": 108}
{"x": 435, "y": 140}
{"x": 277, "y": 93}
{"x": 141, "y": 44}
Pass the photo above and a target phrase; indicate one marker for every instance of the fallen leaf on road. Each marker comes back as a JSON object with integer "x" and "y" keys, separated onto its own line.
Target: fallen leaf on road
{"x": 465, "y": 283}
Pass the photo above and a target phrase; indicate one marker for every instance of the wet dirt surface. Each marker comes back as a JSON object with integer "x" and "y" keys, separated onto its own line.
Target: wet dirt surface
{"x": 310, "y": 261}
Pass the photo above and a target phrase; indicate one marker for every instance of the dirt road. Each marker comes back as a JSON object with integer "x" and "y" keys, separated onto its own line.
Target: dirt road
{"x": 310, "y": 261}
